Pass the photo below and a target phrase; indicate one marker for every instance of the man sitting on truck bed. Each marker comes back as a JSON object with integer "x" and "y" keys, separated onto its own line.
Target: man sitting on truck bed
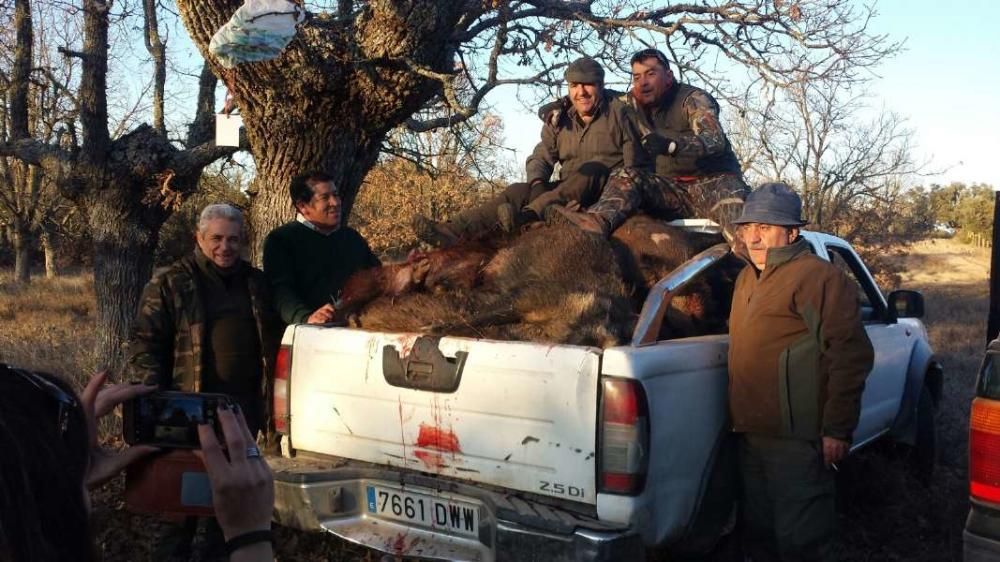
{"x": 308, "y": 260}
{"x": 697, "y": 173}
{"x": 798, "y": 359}
{"x": 590, "y": 137}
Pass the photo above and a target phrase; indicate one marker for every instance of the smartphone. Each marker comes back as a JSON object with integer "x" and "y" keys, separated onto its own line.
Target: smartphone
{"x": 170, "y": 419}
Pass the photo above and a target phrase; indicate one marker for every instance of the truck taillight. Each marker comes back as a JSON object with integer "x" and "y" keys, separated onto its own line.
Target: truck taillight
{"x": 282, "y": 378}
{"x": 984, "y": 450}
{"x": 624, "y": 437}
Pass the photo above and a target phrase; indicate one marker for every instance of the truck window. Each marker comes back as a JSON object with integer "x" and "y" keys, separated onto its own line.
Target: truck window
{"x": 702, "y": 307}
{"x": 869, "y": 296}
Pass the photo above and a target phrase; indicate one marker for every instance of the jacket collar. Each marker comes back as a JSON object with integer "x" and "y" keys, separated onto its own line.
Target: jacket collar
{"x": 305, "y": 222}
{"x": 209, "y": 268}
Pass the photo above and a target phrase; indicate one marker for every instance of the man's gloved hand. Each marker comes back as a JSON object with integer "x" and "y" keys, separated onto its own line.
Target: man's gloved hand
{"x": 553, "y": 111}
{"x": 655, "y": 143}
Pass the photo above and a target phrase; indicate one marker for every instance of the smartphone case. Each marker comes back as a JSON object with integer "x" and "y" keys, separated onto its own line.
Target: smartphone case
{"x": 174, "y": 483}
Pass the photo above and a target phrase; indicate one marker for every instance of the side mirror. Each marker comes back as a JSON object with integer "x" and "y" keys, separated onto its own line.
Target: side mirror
{"x": 906, "y": 304}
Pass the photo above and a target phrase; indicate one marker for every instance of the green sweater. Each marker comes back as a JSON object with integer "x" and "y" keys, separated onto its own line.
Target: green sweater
{"x": 305, "y": 267}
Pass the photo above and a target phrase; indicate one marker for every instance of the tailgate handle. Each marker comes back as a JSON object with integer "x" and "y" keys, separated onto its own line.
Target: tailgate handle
{"x": 425, "y": 368}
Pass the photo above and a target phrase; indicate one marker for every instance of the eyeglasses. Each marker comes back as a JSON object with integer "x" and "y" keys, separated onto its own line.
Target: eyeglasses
{"x": 66, "y": 402}
{"x": 647, "y": 53}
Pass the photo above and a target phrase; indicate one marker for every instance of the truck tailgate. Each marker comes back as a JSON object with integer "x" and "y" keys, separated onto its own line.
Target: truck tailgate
{"x": 521, "y": 416}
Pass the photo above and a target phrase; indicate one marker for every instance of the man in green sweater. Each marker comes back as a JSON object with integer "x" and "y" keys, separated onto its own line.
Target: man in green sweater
{"x": 308, "y": 260}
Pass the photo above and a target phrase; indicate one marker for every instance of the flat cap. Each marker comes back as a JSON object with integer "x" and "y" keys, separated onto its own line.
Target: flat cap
{"x": 772, "y": 203}
{"x": 584, "y": 70}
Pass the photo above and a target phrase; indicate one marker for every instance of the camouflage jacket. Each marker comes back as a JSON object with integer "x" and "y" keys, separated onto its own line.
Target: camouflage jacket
{"x": 168, "y": 337}
{"x": 690, "y": 117}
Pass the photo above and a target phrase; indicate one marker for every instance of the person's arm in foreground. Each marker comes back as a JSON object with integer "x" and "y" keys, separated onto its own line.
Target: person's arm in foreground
{"x": 242, "y": 487}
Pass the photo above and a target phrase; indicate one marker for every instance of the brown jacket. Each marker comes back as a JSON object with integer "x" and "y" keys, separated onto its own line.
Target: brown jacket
{"x": 798, "y": 353}
{"x": 610, "y": 140}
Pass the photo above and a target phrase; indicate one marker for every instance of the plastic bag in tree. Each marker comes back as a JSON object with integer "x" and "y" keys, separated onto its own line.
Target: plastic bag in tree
{"x": 258, "y": 31}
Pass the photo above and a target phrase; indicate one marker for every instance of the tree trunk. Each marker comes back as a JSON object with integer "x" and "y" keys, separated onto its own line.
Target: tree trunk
{"x": 22, "y": 252}
{"x": 49, "y": 249}
{"x": 123, "y": 263}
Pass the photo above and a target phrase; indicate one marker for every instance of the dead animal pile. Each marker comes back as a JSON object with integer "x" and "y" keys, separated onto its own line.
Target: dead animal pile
{"x": 555, "y": 284}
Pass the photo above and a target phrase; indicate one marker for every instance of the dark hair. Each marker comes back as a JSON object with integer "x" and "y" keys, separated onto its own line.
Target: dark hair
{"x": 644, "y": 54}
{"x": 44, "y": 451}
{"x": 301, "y": 190}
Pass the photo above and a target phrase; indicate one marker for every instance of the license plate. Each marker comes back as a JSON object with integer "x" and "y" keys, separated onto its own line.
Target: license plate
{"x": 455, "y": 517}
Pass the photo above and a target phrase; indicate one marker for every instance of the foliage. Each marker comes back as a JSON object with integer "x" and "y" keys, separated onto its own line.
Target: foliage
{"x": 397, "y": 189}
{"x": 960, "y": 206}
{"x": 177, "y": 233}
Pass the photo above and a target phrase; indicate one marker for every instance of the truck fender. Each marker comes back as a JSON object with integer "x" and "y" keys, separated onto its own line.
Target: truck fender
{"x": 924, "y": 369}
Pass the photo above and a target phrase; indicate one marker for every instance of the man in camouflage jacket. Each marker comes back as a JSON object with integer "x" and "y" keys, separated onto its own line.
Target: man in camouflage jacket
{"x": 697, "y": 174}
{"x": 172, "y": 340}
{"x": 206, "y": 324}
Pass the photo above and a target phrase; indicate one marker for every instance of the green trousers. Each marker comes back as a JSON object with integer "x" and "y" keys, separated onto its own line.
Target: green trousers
{"x": 789, "y": 511}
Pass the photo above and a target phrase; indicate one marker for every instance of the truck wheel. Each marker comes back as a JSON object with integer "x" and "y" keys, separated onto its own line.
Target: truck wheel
{"x": 925, "y": 450}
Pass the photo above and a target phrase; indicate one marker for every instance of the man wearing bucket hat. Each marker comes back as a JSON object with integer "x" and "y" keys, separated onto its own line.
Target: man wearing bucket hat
{"x": 798, "y": 359}
{"x": 589, "y": 137}
{"x": 696, "y": 173}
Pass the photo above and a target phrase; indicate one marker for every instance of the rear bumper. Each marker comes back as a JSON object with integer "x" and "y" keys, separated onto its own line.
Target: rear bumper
{"x": 981, "y": 539}
{"x": 510, "y": 528}
{"x": 979, "y": 549}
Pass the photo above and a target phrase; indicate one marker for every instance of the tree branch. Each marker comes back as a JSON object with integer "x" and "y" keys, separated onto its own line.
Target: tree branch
{"x": 21, "y": 74}
{"x": 195, "y": 159}
{"x": 52, "y": 159}
{"x": 158, "y": 50}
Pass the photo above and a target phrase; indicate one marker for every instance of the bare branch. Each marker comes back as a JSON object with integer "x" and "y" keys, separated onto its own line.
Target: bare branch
{"x": 52, "y": 159}
{"x": 195, "y": 159}
{"x": 158, "y": 50}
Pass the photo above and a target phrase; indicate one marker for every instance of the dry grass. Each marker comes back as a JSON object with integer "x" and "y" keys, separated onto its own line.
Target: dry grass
{"x": 47, "y": 325}
{"x": 885, "y": 514}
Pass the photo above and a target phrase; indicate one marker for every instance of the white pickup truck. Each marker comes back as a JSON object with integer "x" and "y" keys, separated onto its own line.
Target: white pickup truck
{"x": 463, "y": 449}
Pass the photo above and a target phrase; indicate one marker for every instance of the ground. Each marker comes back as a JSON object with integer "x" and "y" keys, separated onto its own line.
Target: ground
{"x": 885, "y": 513}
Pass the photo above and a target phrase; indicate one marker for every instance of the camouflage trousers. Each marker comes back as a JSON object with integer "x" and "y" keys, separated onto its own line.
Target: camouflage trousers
{"x": 719, "y": 197}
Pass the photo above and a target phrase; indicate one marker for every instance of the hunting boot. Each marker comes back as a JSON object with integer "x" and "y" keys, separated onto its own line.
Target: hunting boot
{"x": 512, "y": 221}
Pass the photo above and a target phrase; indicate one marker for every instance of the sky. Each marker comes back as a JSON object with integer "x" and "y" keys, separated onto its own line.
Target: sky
{"x": 946, "y": 83}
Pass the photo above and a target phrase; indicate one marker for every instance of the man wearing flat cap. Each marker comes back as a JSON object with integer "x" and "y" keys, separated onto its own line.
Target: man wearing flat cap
{"x": 696, "y": 172}
{"x": 589, "y": 138}
{"x": 798, "y": 359}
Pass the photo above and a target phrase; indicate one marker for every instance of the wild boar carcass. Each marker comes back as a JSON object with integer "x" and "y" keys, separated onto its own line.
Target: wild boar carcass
{"x": 649, "y": 249}
{"x": 552, "y": 284}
